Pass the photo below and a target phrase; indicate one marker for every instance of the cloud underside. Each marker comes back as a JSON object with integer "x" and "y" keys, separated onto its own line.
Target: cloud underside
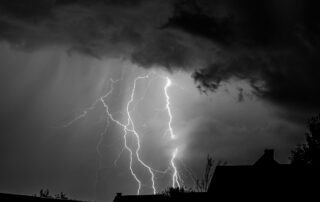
{"x": 274, "y": 45}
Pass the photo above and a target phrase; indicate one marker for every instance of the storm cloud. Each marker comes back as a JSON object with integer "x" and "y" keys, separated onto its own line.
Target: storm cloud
{"x": 274, "y": 45}
{"x": 256, "y": 61}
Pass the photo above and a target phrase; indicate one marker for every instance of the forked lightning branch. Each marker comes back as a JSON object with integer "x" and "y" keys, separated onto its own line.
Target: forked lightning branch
{"x": 129, "y": 129}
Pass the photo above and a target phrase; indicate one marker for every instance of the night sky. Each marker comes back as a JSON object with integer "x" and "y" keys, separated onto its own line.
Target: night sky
{"x": 245, "y": 77}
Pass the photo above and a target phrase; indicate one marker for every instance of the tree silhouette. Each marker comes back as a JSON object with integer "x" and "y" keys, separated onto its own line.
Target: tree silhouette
{"x": 202, "y": 184}
{"x": 44, "y": 193}
{"x": 173, "y": 191}
{"x": 61, "y": 196}
{"x": 309, "y": 152}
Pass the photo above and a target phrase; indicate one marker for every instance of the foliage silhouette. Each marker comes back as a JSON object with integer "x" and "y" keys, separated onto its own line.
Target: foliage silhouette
{"x": 45, "y": 193}
{"x": 173, "y": 191}
{"x": 202, "y": 184}
{"x": 61, "y": 196}
{"x": 309, "y": 152}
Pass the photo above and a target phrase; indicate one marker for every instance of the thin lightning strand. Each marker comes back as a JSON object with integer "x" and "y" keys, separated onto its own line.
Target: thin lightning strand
{"x": 130, "y": 122}
{"x": 91, "y": 107}
{"x": 126, "y": 129}
{"x": 168, "y": 84}
{"x": 100, "y": 167}
{"x": 82, "y": 115}
{"x": 132, "y": 110}
{"x": 129, "y": 127}
{"x": 175, "y": 181}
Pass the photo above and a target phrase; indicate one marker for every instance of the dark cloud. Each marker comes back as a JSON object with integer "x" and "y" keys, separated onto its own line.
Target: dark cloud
{"x": 274, "y": 45}
{"x": 164, "y": 50}
{"x": 97, "y": 28}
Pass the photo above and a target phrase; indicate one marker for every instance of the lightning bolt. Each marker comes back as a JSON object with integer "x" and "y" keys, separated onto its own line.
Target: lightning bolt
{"x": 175, "y": 176}
{"x": 82, "y": 115}
{"x": 128, "y": 128}
{"x": 170, "y": 130}
{"x": 175, "y": 180}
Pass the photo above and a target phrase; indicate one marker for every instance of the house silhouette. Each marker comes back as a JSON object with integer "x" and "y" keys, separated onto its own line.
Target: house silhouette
{"x": 265, "y": 180}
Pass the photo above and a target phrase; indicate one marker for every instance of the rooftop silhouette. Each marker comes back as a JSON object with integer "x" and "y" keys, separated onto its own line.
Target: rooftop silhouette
{"x": 265, "y": 179}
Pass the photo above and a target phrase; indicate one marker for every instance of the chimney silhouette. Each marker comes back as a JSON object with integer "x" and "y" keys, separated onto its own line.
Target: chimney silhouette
{"x": 267, "y": 159}
{"x": 269, "y": 154}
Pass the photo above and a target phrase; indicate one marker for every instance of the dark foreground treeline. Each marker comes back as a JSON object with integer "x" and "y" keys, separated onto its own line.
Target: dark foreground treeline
{"x": 25, "y": 198}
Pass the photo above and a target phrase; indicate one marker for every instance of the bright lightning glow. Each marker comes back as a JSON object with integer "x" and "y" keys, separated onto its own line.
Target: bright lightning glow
{"x": 129, "y": 129}
{"x": 168, "y": 84}
{"x": 175, "y": 181}
{"x": 130, "y": 122}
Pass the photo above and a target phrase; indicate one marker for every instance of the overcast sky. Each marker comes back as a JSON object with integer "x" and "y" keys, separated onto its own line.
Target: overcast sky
{"x": 244, "y": 78}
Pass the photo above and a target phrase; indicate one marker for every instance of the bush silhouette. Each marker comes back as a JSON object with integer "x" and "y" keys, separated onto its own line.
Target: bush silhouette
{"x": 203, "y": 183}
{"x": 173, "y": 191}
{"x": 44, "y": 193}
{"x": 309, "y": 152}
